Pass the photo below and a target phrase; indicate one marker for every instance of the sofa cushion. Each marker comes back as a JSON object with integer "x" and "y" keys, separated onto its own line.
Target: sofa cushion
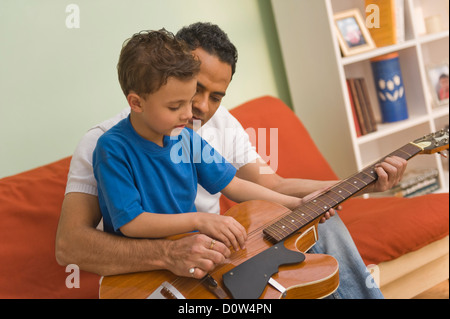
{"x": 386, "y": 228}
{"x": 29, "y": 208}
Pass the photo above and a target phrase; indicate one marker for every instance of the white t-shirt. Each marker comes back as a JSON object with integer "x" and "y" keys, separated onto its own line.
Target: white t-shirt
{"x": 223, "y": 132}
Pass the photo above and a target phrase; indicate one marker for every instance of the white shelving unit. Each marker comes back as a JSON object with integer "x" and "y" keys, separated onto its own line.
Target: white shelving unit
{"x": 317, "y": 75}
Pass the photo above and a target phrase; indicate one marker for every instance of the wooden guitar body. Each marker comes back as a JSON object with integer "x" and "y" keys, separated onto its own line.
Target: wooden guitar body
{"x": 316, "y": 276}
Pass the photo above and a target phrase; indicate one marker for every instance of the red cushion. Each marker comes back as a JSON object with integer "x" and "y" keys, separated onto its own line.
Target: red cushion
{"x": 386, "y": 228}
{"x": 29, "y": 208}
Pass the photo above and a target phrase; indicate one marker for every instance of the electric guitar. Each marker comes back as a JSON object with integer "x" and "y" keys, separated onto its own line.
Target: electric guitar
{"x": 274, "y": 264}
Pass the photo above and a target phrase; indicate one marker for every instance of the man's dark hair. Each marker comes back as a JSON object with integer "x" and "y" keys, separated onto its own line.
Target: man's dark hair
{"x": 212, "y": 39}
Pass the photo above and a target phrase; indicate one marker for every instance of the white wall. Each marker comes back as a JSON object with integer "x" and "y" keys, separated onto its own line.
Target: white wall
{"x": 56, "y": 82}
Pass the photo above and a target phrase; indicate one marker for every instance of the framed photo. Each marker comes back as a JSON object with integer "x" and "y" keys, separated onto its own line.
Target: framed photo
{"x": 352, "y": 33}
{"x": 438, "y": 81}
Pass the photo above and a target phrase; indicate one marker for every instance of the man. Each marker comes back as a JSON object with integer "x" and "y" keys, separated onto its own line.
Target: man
{"x": 79, "y": 242}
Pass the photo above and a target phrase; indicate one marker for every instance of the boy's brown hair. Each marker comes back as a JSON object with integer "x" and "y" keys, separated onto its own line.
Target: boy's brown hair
{"x": 149, "y": 58}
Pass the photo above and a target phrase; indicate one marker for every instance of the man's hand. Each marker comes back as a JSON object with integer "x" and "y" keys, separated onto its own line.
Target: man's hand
{"x": 389, "y": 172}
{"x": 195, "y": 255}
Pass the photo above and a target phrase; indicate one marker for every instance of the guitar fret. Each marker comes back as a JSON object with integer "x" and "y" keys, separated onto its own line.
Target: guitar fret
{"x": 362, "y": 181}
{"x": 330, "y": 195}
{"x": 369, "y": 175}
{"x": 285, "y": 223}
{"x": 372, "y": 173}
{"x": 407, "y": 154}
{"x": 304, "y": 215}
{"x": 324, "y": 205}
{"x": 348, "y": 187}
{"x": 301, "y": 215}
{"x": 339, "y": 193}
{"x": 274, "y": 232}
{"x": 310, "y": 206}
{"x": 343, "y": 189}
{"x": 315, "y": 204}
{"x": 333, "y": 197}
{"x": 348, "y": 182}
{"x": 410, "y": 150}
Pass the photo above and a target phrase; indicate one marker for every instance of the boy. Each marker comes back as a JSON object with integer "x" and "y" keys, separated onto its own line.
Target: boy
{"x": 142, "y": 189}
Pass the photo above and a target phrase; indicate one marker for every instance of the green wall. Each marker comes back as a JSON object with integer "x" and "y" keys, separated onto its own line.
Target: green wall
{"x": 56, "y": 82}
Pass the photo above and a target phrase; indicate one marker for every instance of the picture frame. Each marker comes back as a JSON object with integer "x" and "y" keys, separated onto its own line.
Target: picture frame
{"x": 353, "y": 36}
{"x": 438, "y": 82}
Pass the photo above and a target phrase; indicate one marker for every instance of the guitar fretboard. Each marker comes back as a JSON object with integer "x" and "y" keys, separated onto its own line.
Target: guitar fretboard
{"x": 317, "y": 207}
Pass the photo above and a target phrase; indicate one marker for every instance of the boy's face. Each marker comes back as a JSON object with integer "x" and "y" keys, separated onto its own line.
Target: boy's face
{"x": 164, "y": 112}
{"x": 213, "y": 81}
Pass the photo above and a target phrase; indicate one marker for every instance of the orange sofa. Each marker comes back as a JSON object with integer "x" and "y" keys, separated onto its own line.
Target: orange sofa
{"x": 406, "y": 238}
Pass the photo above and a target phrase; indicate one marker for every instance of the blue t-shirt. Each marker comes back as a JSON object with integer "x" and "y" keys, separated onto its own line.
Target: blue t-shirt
{"x": 135, "y": 175}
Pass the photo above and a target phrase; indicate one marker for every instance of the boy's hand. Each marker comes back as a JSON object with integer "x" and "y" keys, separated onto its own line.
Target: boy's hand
{"x": 223, "y": 228}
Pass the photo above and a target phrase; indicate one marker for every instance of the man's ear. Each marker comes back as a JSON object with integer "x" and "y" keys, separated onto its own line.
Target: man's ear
{"x": 134, "y": 101}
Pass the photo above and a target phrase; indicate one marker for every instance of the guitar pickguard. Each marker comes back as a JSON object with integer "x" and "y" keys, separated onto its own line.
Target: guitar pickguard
{"x": 248, "y": 280}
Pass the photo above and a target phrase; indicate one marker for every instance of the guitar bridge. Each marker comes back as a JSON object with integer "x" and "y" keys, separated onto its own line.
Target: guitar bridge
{"x": 166, "y": 291}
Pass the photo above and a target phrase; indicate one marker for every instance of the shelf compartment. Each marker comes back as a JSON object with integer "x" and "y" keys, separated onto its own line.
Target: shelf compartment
{"x": 386, "y": 129}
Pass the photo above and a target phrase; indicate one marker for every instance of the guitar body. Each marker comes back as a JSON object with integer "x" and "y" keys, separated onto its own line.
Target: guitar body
{"x": 316, "y": 277}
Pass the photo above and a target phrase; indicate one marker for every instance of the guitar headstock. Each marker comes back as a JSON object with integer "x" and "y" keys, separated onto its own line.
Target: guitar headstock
{"x": 434, "y": 142}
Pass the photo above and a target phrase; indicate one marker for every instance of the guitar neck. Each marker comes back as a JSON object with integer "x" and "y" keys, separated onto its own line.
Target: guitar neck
{"x": 317, "y": 207}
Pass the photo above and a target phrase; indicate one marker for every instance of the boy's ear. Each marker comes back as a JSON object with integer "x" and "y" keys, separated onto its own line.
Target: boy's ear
{"x": 134, "y": 101}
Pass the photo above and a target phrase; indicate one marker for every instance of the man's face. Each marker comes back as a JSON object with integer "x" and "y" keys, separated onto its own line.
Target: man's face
{"x": 212, "y": 83}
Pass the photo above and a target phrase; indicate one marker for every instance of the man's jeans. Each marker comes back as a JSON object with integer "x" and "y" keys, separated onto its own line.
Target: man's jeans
{"x": 355, "y": 281}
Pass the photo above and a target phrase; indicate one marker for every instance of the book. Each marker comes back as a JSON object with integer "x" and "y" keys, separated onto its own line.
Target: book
{"x": 415, "y": 183}
{"x": 390, "y": 21}
{"x": 363, "y": 114}
{"x": 355, "y": 118}
{"x": 357, "y": 104}
{"x": 368, "y": 104}
{"x": 366, "y": 107}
